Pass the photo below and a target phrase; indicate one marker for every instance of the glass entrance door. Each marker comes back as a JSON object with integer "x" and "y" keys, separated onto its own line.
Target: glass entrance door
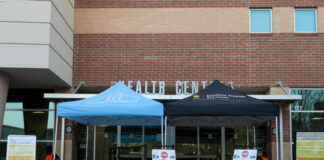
{"x": 186, "y": 142}
{"x": 191, "y": 143}
{"x": 131, "y": 137}
{"x": 210, "y": 143}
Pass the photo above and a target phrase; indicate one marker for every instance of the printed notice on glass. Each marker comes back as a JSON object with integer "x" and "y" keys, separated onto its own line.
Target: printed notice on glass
{"x": 310, "y": 145}
{"x": 245, "y": 154}
{"x": 163, "y": 154}
{"x": 21, "y": 147}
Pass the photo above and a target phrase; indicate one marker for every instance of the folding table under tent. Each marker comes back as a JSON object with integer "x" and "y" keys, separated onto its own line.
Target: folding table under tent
{"x": 118, "y": 105}
{"x": 219, "y": 105}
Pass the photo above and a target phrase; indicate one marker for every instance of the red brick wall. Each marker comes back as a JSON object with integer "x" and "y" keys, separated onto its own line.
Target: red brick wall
{"x": 248, "y": 60}
{"x": 195, "y": 3}
{"x": 286, "y": 126}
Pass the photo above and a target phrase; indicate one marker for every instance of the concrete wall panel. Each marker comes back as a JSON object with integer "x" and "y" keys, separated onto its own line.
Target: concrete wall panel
{"x": 25, "y": 11}
{"x": 61, "y": 47}
{"x": 66, "y": 10}
{"x": 24, "y": 33}
{"x": 37, "y": 34}
{"x": 59, "y": 67}
{"x": 23, "y": 56}
{"x": 61, "y": 26}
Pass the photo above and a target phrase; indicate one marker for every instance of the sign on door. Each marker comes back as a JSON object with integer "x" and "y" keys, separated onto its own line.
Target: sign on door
{"x": 245, "y": 154}
{"x": 163, "y": 154}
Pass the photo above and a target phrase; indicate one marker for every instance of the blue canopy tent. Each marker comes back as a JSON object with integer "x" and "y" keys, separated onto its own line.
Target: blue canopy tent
{"x": 118, "y": 105}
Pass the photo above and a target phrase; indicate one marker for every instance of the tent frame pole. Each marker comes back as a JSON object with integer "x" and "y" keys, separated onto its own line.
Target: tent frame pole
{"x": 162, "y": 140}
{"x": 277, "y": 141}
{"x": 55, "y": 138}
{"x": 62, "y": 138}
{"x": 254, "y": 137}
{"x": 87, "y": 142}
{"x": 143, "y": 135}
{"x": 165, "y": 131}
{"x": 94, "y": 141}
{"x": 223, "y": 142}
{"x": 198, "y": 142}
{"x": 118, "y": 135}
{"x": 118, "y": 141}
{"x": 143, "y": 142}
{"x": 247, "y": 137}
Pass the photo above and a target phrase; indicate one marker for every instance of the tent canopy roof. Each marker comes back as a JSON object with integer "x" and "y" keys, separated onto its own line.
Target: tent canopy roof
{"x": 118, "y": 105}
{"x": 221, "y": 101}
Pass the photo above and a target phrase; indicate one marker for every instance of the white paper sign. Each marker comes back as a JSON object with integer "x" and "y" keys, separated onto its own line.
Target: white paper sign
{"x": 163, "y": 154}
{"x": 21, "y": 147}
{"x": 245, "y": 154}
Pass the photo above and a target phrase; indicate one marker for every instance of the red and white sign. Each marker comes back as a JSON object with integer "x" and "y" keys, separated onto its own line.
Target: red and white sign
{"x": 163, "y": 154}
{"x": 245, "y": 154}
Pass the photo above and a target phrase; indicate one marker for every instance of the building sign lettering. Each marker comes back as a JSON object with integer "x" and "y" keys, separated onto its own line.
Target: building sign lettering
{"x": 158, "y": 87}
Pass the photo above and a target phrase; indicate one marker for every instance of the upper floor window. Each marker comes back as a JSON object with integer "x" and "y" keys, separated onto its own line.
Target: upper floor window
{"x": 305, "y": 20}
{"x": 260, "y": 20}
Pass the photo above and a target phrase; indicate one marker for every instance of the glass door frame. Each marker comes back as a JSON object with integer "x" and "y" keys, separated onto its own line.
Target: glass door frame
{"x": 291, "y": 111}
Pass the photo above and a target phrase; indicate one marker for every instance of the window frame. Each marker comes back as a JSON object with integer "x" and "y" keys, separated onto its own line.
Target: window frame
{"x": 258, "y": 9}
{"x": 32, "y": 110}
{"x": 293, "y": 111}
{"x": 316, "y": 19}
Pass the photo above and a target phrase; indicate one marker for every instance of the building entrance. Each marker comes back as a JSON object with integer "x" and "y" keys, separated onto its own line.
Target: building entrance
{"x": 189, "y": 142}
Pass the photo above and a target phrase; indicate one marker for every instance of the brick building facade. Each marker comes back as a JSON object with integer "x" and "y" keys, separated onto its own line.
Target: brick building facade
{"x": 199, "y": 41}
{"x": 175, "y": 42}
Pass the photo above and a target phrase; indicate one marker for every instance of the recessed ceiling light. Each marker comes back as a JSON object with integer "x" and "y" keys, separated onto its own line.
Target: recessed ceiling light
{"x": 318, "y": 118}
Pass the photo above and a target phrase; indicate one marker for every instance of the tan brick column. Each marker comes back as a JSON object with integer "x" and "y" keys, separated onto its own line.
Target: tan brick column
{"x": 271, "y": 139}
{"x": 68, "y": 136}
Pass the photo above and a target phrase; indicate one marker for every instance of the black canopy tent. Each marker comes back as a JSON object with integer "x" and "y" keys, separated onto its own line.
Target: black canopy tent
{"x": 219, "y": 105}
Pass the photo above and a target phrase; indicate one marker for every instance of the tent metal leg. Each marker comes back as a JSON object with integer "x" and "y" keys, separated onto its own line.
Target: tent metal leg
{"x": 223, "y": 142}
{"x": 94, "y": 141}
{"x": 247, "y": 137}
{"x": 165, "y": 131}
{"x": 143, "y": 135}
{"x": 87, "y": 142}
{"x": 118, "y": 141}
{"x": 62, "y": 138}
{"x": 118, "y": 135}
{"x": 277, "y": 141}
{"x": 254, "y": 137}
{"x": 198, "y": 142}
{"x": 55, "y": 138}
{"x": 281, "y": 132}
{"x": 162, "y": 140}
{"x": 143, "y": 142}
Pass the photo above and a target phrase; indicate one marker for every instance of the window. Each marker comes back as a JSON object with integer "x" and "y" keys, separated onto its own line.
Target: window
{"x": 20, "y": 120}
{"x": 305, "y": 20}
{"x": 260, "y": 21}
{"x": 307, "y": 119}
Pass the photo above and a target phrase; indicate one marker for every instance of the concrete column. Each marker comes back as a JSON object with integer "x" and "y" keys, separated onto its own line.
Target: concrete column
{"x": 4, "y": 85}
